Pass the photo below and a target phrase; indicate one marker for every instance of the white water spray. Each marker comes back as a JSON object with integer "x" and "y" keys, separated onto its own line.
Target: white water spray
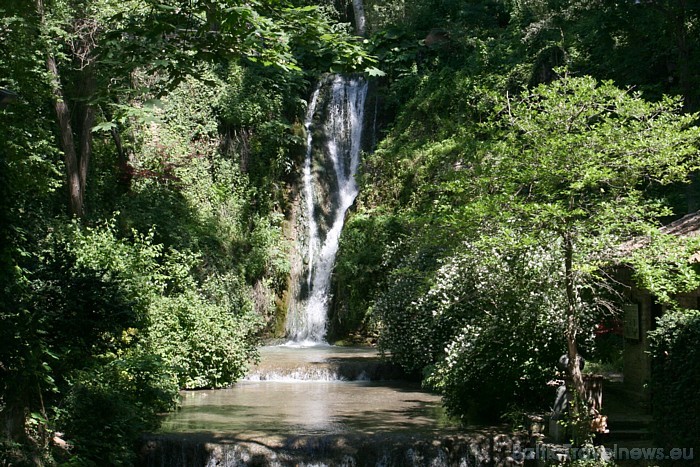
{"x": 343, "y": 132}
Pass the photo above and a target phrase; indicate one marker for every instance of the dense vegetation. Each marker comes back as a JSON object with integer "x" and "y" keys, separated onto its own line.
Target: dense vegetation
{"x": 149, "y": 152}
{"x": 146, "y": 150}
{"x": 674, "y": 375}
{"x": 524, "y": 142}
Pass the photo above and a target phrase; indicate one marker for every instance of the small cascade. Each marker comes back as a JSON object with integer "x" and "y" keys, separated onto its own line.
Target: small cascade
{"x": 333, "y": 125}
{"x": 322, "y": 406}
{"x": 322, "y": 364}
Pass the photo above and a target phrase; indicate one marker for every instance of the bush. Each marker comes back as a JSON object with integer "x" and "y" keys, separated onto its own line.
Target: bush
{"x": 108, "y": 407}
{"x": 85, "y": 302}
{"x": 124, "y": 323}
{"x": 82, "y": 306}
{"x": 482, "y": 326}
{"x": 208, "y": 344}
{"x": 403, "y": 313}
{"x": 499, "y": 316}
{"x": 360, "y": 270}
{"x": 675, "y": 378}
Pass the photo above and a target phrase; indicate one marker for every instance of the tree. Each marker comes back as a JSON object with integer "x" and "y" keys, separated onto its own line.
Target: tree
{"x": 571, "y": 163}
{"x": 94, "y": 48}
{"x": 68, "y": 311}
{"x": 28, "y": 177}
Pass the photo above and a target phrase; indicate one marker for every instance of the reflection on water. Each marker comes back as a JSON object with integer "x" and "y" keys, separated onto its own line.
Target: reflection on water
{"x": 285, "y": 406}
{"x": 315, "y": 422}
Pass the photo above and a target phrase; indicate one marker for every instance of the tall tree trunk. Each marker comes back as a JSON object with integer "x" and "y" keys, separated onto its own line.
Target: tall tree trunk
{"x": 76, "y": 163}
{"x": 87, "y": 121}
{"x": 358, "y": 8}
{"x": 579, "y": 403}
{"x": 75, "y": 184}
{"x": 13, "y": 418}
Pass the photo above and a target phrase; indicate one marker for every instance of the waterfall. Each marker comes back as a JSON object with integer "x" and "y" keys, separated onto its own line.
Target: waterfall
{"x": 323, "y": 405}
{"x": 333, "y": 125}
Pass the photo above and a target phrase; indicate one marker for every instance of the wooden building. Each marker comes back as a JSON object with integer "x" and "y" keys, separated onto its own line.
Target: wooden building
{"x": 642, "y": 310}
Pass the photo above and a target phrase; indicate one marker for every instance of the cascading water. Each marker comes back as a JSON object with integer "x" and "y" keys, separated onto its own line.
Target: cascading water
{"x": 329, "y": 190}
{"x": 322, "y": 406}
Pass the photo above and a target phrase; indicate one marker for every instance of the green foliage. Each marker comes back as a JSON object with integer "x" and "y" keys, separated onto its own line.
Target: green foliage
{"x": 360, "y": 270}
{"x": 83, "y": 303}
{"x": 221, "y": 205}
{"x": 206, "y": 344}
{"x": 664, "y": 266}
{"x": 29, "y": 184}
{"x": 569, "y": 158}
{"x": 172, "y": 272}
{"x": 504, "y": 327}
{"x": 485, "y": 332}
{"x": 121, "y": 323}
{"x": 174, "y": 37}
{"x": 75, "y": 333}
{"x": 511, "y": 209}
{"x": 109, "y": 406}
{"x": 205, "y": 335}
{"x": 651, "y": 46}
{"x": 406, "y": 328}
{"x": 250, "y": 99}
{"x": 215, "y": 246}
{"x": 85, "y": 306}
{"x": 675, "y": 373}
{"x": 259, "y": 115}
{"x": 321, "y": 44}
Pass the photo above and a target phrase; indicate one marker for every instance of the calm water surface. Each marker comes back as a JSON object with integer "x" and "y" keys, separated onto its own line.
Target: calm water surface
{"x": 287, "y": 406}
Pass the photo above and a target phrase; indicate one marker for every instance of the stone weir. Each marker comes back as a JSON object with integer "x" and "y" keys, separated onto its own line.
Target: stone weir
{"x": 324, "y": 363}
{"x": 381, "y": 450}
{"x": 321, "y": 406}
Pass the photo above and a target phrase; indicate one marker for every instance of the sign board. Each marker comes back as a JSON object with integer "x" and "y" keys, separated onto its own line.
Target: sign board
{"x": 631, "y": 324}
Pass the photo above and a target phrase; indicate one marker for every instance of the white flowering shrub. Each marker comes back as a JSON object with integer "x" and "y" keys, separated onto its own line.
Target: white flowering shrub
{"x": 406, "y": 324}
{"x": 484, "y": 327}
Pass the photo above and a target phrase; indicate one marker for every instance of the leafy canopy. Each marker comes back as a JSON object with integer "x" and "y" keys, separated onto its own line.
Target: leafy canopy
{"x": 578, "y": 158}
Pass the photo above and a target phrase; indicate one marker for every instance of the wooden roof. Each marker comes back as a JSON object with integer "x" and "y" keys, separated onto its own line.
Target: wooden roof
{"x": 686, "y": 227}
